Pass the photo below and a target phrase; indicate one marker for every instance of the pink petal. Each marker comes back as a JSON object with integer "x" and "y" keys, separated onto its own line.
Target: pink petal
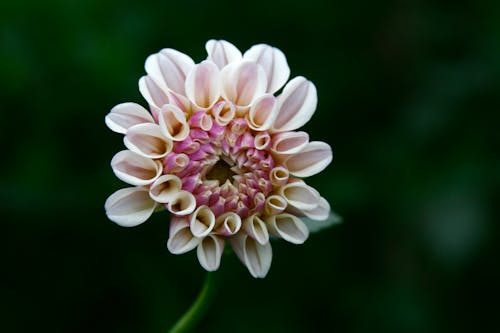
{"x": 147, "y": 140}
{"x": 263, "y": 113}
{"x": 287, "y": 143}
{"x": 135, "y": 169}
{"x": 173, "y": 123}
{"x": 203, "y": 85}
{"x": 152, "y": 93}
{"x": 297, "y": 104}
{"x": 169, "y": 69}
{"x": 222, "y": 52}
{"x": 274, "y": 63}
{"x": 311, "y": 160}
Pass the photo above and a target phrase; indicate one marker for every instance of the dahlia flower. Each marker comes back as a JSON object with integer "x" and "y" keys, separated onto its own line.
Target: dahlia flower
{"x": 221, "y": 153}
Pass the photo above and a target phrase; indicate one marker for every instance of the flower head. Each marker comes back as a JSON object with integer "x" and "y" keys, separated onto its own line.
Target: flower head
{"x": 221, "y": 152}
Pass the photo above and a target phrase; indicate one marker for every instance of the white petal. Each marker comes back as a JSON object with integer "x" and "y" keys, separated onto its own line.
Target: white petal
{"x": 135, "y": 169}
{"x": 169, "y": 69}
{"x": 126, "y": 115}
{"x": 202, "y": 221}
{"x": 210, "y": 251}
{"x": 279, "y": 176}
{"x": 182, "y": 203}
{"x": 180, "y": 239}
{"x": 262, "y": 140}
{"x": 243, "y": 82}
{"x": 203, "y": 85}
{"x": 311, "y": 160}
{"x": 130, "y": 206}
{"x": 222, "y": 52}
{"x": 263, "y": 112}
{"x": 288, "y": 227}
{"x": 274, "y": 63}
{"x": 320, "y": 213}
{"x": 256, "y": 228}
{"x": 228, "y": 224}
{"x": 287, "y": 143}
{"x": 315, "y": 225}
{"x": 275, "y": 204}
{"x": 297, "y": 104}
{"x": 147, "y": 140}
{"x": 255, "y": 256}
{"x": 173, "y": 123}
{"x": 165, "y": 188}
{"x": 152, "y": 93}
{"x": 300, "y": 195}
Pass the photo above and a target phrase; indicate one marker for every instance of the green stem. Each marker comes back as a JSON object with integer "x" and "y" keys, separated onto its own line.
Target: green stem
{"x": 197, "y": 310}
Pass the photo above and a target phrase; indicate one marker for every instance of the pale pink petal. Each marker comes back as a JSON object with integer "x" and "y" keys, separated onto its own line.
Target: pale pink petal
{"x": 135, "y": 169}
{"x": 274, "y": 63}
{"x": 262, "y": 140}
{"x": 180, "y": 239}
{"x": 130, "y": 206}
{"x": 181, "y": 203}
{"x": 223, "y": 112}
{"x": 311, "y": 160}
{"x": 288, "y": 227}
{"x": 169, "y": 69}
{"x": 165, "y": 188}
{"x": 297, "y": 104}
{"x": 152, "y": 93}
{"x": 320, "y": 213}
{"x": 147, "y": 140}
{"x": 243, "y": 82}
{"x": 255, "y": 256}
{"x": 210, "y": 251}
{"x": 300, "y": 195}
{"x": 263, "y": 112}
{"x": 287, "y": 143}
{"x": 256, "y": 228}
{"x": 126, "y": 115}
{"x": 173, "y": 123}
{"x": 228, "y": 224}
{"x": 222, "y": 52}
{"x": 202, "y": 221}
{"x": 203, "y": 85}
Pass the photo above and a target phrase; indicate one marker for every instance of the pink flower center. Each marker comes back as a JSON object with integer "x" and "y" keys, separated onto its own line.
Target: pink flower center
{"x": 225, "y": 167}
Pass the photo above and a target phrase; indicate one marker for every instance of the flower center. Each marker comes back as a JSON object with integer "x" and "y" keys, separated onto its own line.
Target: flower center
{"x": 221, "y": 171}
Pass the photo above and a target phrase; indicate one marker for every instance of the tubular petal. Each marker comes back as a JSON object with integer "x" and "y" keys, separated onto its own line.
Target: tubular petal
{"x": 255, "y": 256}
{"x": 152, "y": 93}
{"x": 279, "y": 176}
{"x": 135, "y": 169}
{"x": 275, "y": 204}
{"x": 173, "y": 123}
{"x": 256, "y": 228}
{"x": 182, "y": 203}
{"x": 180, "y": 239}
{"x": 203, "y": 85}
{"x": 125, "y": 115}
{"x": 274, "y": 63}
{"x": 222, "y": 52}
{"x": 287, "y": 143}
{"x": 288, "y": 227}
{"x": 164, "y": 188}
{"x": 228, "y": 224}
{"x": 210, "y": 251}
{"x": 223, "y": 112}
{"x": 297, "y": 104}
{"x": 147, "y": 140}
{"x": 130, "y": 206}
{"x": 202, "y": 221}
{"x": 169, "y": 69}
{"x": 311, "y": 160}
{"x": 243, "y": 82}
{"x": 300, "y": 195}
{"x": 263, "y": 112}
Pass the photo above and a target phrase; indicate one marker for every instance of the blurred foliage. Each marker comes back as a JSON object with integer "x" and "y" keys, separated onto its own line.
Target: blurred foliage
{"x": 409, "y": 97}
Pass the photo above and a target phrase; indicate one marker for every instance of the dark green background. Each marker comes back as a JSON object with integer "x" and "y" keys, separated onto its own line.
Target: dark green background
{"x": 409, "y": 97}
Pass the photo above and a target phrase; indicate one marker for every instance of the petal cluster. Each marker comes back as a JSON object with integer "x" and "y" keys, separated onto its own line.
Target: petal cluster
{"x": 221, "y": 152}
